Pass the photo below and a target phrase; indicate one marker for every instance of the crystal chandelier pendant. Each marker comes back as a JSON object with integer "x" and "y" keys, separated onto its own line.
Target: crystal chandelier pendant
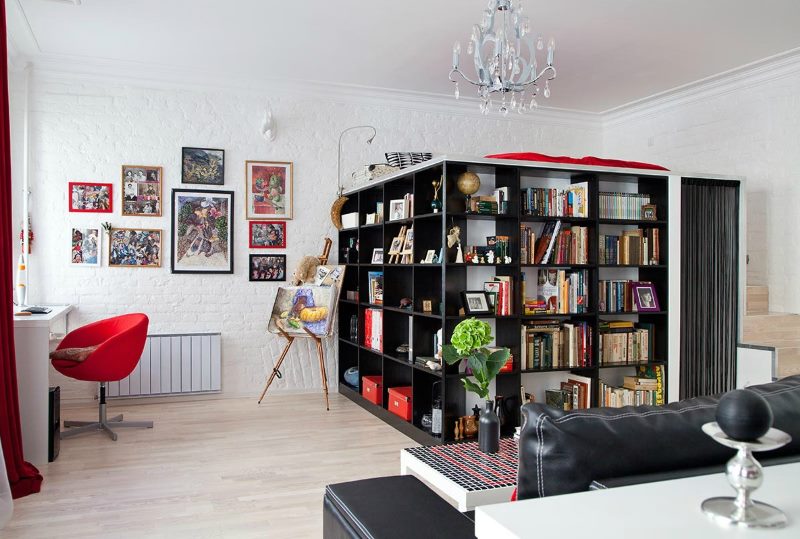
{"x": 506, "y": 53}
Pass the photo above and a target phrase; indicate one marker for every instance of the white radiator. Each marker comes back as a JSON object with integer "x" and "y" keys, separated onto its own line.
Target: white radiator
{"x": 174, "y": 365}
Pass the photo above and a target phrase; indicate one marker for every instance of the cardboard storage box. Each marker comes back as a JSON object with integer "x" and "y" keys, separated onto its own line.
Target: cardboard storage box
{"x": 372, "y": 389}
{"x": 400, "y": 401}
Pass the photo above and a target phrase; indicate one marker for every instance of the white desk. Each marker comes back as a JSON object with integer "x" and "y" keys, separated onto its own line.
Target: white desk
{"x": 32, "y": 345}
{"x": 666, "y": 509}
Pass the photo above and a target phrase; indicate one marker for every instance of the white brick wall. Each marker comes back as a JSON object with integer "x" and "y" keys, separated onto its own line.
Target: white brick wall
{"x": 751, "y": 130}
{"x": 87, "y": 130}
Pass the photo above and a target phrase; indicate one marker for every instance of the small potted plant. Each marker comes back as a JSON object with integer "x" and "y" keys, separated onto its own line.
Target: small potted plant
{"x": 468, "y": 342}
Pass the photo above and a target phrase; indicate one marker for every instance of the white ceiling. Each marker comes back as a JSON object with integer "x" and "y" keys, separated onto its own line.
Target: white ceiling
{"x": 609, "y": 52}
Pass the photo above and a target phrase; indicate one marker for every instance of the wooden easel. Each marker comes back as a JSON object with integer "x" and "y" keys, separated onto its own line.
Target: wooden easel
{"x": 320, "y": 353}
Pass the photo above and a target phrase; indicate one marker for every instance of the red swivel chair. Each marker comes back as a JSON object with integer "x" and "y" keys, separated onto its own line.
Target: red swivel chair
{"x": 119, "y": 341}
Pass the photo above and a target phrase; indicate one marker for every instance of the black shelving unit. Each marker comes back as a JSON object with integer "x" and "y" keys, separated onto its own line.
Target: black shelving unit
{"x": 443, "y": 283}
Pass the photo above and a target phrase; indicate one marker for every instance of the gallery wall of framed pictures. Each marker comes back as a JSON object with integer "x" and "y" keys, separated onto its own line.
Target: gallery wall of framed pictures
{"x": 202, "y": 219}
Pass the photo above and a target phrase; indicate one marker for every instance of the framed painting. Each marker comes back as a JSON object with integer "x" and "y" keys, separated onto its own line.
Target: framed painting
{"x": 267, "y": 267}
{"x": 205, "y": 166}
{"x": 91, "y": 197}
{"x": 134, "y": 248}
{"x": 86, "y": 247}
{"x": 202, "y": 235}
{"x": 267, "y": 234}
{"x": 268, "y": 190}
{"x": 141, "y": 190}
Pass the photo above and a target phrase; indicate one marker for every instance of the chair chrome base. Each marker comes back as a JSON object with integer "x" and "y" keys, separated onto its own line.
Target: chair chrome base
{"x": 103, "y": 423}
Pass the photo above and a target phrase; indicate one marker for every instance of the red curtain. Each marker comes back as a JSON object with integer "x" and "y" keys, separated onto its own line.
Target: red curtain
{"x": 24, "y": 477}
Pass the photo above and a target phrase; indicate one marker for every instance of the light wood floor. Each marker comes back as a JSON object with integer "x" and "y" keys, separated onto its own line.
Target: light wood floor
{"x": 223, "y": 468}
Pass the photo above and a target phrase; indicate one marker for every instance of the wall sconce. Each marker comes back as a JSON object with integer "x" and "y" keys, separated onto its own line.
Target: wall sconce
{"x": 268, "y": 128}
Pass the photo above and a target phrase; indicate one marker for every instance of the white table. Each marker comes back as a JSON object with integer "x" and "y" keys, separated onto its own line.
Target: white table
{"x": 32, "y": 345}
{"x": 665, "y": 509}
{"x": 470, "y": 473}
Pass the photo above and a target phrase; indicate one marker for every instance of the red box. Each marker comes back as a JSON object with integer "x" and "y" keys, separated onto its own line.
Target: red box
{"x": 400, "y": 401}
{"x": 372, "y": 389}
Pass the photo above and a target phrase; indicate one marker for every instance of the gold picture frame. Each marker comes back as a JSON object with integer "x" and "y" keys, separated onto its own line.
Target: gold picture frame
{"x": 120, "y": 248}
{"x": 269, "y": 190}
{"x": 142, "y": 190}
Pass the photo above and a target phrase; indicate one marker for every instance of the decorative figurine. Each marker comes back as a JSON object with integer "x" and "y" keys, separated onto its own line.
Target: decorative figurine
{"x": 468, "y": 183}
{"x": 454, "y": 240}
{"x": 490, "y": 257}
{"x": 436, "y": 204}
{"x": 470, "y": 426}
{"x": 406, "y": 303}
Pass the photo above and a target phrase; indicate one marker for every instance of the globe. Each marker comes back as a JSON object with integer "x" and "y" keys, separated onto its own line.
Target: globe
{"x": 468, "y": 183}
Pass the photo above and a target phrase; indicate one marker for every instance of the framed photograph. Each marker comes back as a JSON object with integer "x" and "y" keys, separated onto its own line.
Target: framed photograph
{"x": 86, "y": 247}
{"x": 492, "y": 289}
{"x": 267, "y": 234}
{"x": 370, "y": 219}
{"x": 430, "y": 256}
{"x": 645, "y": 298}
{"x": 377, "y": 255}
{"x": 205, "y": 166}
{"x": 475, "y": 302}
{"x": 397, "y": 209}
{"x": 91, "y": 197}
{"x": 202, "y": 238}
{"x": 267, "y": 267}
{"x": 427, "y": 305}
{"x": 408, "y": 244}
{"x": 397, "y": 245}
{"x": 268, "y": 190}
{"x": 134, "y": 248}
{"x": 649, "y": 212}
{"x": 141, "y": 190}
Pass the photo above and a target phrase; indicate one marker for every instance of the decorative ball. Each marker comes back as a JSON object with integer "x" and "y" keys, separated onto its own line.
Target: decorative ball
{"x": 468, "y": 183}
{"x": 744, "y": 415}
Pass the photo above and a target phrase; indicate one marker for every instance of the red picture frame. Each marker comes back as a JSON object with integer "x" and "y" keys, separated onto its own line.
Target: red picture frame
{"x": 77, "y": 201}
{"x": 263, "y": 229}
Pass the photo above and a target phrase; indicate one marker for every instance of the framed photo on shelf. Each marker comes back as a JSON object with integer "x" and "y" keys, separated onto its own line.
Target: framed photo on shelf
{"x": 268, "y": 190}
{"x": 427, "y": 305}
{"x": 649, "y": 212}
{"x": 475, "y": 302}
{"x": 377, "y": 255}
{"x": 134, "y": 248}
{"x": 408, "y": 244}
{"x": 267, "y": 267}
{"x": 91, "y": 197}
{"x": 396, "y": 246}
{"x": 645, "y": 297}
{"x": 86, "y": 247}
{"x": 205, "y": 166}
{"x": 202, "y": 235}
{"x": 397, "y": 209}
{"x": 492, "y": 289}
{"x": 430, "y": 256}
{"x": 141, "y": 190}
{"x": 267, "y": 234}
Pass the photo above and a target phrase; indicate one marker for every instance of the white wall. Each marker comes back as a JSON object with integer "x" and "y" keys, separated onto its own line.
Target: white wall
{"x": 748, "y": 127}
{"x": 85, "y": 129}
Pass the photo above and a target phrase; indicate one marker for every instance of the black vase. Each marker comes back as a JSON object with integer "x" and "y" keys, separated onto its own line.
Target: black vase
{"x": 489, "y": 430}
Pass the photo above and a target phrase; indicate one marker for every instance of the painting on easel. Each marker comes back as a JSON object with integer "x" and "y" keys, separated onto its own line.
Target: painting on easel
{"x": 299, "y": 310}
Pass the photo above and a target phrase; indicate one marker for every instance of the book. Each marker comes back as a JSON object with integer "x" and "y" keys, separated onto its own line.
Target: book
{"x": 558, "y": 398}
{"x": 375, "y": 282}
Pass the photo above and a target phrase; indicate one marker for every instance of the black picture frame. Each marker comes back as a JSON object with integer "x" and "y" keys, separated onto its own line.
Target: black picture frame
{"x": 253, "y": 275}
{"x": 471, "y": 308}
{"x": 207, "y": 244}
{"x": 188, "y": 151}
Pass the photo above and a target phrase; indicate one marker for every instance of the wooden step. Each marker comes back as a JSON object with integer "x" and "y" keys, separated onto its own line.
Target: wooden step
{"x": 757, "y": 299}
{"x": 788, "y": 361}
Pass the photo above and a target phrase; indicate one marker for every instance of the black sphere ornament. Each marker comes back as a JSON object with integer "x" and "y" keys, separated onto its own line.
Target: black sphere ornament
{"x": 744, "y": 415}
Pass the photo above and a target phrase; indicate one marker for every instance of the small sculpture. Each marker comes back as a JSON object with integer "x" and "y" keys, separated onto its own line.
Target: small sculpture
{"x": 406, "y": 303}
{"x": 454, "y": 240}
{"x": 490, "y": 257}
{"x": 436, "y": 204}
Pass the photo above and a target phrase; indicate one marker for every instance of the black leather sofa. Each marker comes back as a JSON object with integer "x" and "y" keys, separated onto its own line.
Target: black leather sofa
{"x": 560, "y": 453}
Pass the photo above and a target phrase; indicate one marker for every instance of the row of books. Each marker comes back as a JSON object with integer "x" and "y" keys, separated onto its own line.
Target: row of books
{"x": 547, "y": 344}
{"x": 636, "y": 247}
{"x": 502, "y": 290}
{"x": 647, "y": 387}
{"x": 622, "y": 341}
{"x": 545, "y": 202}
{"x": 565, "y": 246}
{"x": 622, "y": 205}
{"x": 618, "y": 295}
{"x": 373, "y": 329}
{"x": 561, "y": 292}
{"x": 573, "y": 394}
{"x": 494, "y": 204}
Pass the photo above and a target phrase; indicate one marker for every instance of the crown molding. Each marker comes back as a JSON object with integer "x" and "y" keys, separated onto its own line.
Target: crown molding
{"x": 70, "y": 68}
{"x": 752, "y": 74}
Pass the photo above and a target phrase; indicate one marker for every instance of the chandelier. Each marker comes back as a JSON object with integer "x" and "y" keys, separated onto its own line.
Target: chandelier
{"x": 505, "y": 54}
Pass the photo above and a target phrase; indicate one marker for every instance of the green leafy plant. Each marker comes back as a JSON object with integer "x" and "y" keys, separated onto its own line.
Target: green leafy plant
{"x": 469, "y": 341}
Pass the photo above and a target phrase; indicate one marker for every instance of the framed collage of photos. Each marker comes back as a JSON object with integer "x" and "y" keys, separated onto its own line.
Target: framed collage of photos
{"x": 141, "y": 191}
{"x": 134, "y": 248}
{"x": 91, "y": 197}
{"x": 267, "y": 267}
{"x": 86, "y": 247}
{"x": 267, "y": 234}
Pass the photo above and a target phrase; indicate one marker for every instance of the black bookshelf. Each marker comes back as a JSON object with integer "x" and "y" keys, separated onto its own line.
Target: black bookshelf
{"x": 442, "y": 283}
